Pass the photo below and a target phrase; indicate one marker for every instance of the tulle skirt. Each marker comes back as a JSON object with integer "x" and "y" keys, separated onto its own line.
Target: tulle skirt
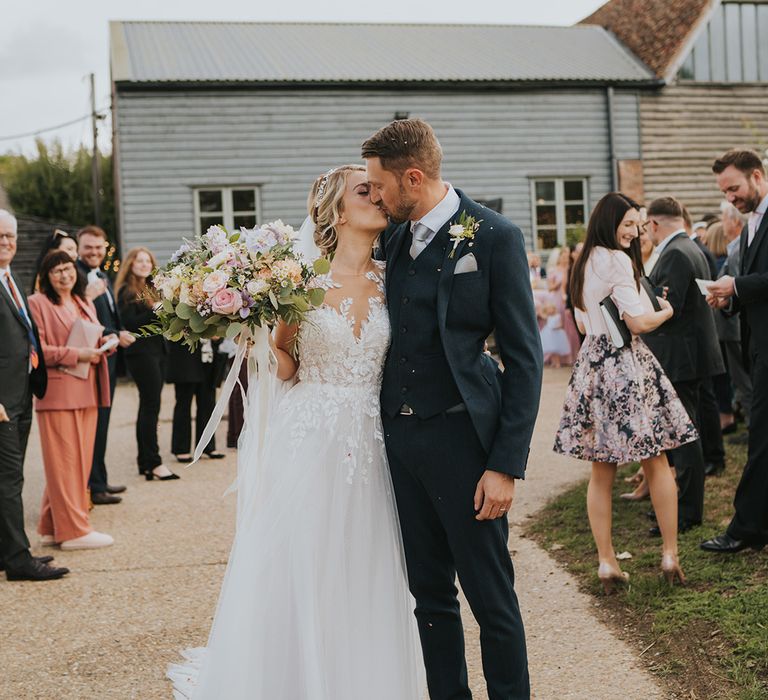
{"x": 315, "y": 603}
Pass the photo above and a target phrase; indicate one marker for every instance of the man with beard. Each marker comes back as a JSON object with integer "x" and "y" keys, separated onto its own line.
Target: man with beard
{"x": 741, "y": 177}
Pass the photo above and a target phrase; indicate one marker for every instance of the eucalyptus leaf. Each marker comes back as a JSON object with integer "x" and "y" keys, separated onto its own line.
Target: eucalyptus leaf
{"x": 196, "y": 322}
{"x": 316, "y": 296}
{"x": 184, "y": 311}
{"x": 168, "y": 306}
{"x": 322, "y": 266}
{"x": 233, "y": 330}
{"x": 177, "y": 325}
{"x": 273, "y": 299}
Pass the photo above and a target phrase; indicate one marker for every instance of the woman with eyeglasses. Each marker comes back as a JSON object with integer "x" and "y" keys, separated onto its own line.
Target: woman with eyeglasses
{"x": 78, "y": 384}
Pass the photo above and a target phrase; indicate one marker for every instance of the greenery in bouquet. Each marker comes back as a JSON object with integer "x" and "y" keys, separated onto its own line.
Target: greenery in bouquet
{"x": 222, "y": 284}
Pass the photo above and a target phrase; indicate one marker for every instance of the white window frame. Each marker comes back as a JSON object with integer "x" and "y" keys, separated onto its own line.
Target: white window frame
{"x": 560, "y": 203}
{"x": 228, "y": 213}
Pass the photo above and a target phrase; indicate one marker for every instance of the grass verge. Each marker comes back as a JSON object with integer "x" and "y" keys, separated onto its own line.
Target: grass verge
{"x": 706, "y": 640}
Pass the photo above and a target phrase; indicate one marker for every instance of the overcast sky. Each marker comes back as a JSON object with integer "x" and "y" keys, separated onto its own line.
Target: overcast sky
{"x": 48, "y": 47}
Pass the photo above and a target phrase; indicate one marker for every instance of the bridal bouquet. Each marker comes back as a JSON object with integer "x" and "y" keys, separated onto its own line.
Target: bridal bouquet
{"x": 227, "y": 284}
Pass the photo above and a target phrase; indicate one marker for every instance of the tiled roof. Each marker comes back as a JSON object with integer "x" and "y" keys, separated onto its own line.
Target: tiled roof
{"x": 655, "y": 30}
{"x": 156, "y": 52}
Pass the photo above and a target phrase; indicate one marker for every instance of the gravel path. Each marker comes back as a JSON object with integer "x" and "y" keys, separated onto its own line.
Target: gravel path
{"x": 109, "y": 629}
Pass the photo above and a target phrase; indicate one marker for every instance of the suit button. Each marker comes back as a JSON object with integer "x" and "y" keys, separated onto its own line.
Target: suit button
{"x": 411, "y": 272}
{"x": 403, "y": 360}
{"x": 403, "y": 329}
{"x": 405, "y": 300}
{"x": 403, "y": 389}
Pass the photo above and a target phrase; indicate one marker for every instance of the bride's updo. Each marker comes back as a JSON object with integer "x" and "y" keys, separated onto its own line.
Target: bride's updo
{"x": 325, "y": 205}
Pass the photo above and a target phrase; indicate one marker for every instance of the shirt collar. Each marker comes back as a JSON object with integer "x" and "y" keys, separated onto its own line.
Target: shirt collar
{"x": 435, "y": 219}
{"x": 665, "y": 242}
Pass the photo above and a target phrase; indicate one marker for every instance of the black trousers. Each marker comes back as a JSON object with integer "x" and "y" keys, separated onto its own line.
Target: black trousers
{"x": 14, "y": 545}
{"x": 709, "y": 424}
{"x": 689, "y": 460}
{"x": 204, "y": 394}
{"x": 98, "y": 479}
{"x": 751, "y": 519}
{"x": 435, "y": 465}
{"x": 148, "y": 371}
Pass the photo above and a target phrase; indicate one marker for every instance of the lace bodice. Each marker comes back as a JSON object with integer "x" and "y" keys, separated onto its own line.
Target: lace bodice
{"x": 331, "y": 353}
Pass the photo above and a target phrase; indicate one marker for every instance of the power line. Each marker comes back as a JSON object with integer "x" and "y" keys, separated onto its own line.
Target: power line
{"x": 49, "y": 128}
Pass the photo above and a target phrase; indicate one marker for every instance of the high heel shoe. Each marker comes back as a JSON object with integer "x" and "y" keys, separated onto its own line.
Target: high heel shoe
{"x": 149, "y": 475}
{"x": 609, "y": 577}
{"x": 670, "y": 567}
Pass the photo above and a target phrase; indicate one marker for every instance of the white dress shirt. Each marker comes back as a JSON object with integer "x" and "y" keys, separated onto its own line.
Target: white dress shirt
{"x": 439, "y": 215}
{"x": 19, "y": 295}
{"x": 660, "y": 248}
{"x": 755, "y": 219}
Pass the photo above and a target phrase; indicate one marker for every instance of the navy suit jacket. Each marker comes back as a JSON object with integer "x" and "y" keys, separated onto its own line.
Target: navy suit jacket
{"x": 497, "y": 298}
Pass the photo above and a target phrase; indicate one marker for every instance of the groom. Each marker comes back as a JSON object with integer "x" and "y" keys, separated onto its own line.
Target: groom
{"x": 457, "y": 428}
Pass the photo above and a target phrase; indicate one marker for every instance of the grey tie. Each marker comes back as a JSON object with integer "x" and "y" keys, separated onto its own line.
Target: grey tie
{"x": 420, "y": 233}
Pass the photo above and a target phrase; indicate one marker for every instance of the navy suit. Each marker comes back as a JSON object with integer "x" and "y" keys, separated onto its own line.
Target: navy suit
{"x": 109, "y": 317}
{"x": 469, "y": 416}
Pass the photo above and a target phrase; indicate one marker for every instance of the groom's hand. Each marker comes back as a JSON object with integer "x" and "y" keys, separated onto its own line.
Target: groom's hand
{"x": 493, "y": 495}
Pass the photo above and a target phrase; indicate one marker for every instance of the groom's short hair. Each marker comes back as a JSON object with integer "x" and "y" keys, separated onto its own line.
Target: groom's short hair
{"x": 406, "y": 143}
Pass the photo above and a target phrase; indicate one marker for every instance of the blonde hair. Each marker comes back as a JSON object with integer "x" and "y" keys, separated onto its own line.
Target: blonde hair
{"x": 326, "y": 204}
{"x": 138, "y": 289}
{"x": 715, "y": 240}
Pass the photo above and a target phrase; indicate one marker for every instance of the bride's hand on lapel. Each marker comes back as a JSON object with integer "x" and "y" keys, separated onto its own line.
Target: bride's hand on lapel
{"x": 493, "y": 495}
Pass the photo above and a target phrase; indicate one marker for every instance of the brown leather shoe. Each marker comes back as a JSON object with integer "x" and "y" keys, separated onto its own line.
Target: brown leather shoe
{"x": 102, "y": 498}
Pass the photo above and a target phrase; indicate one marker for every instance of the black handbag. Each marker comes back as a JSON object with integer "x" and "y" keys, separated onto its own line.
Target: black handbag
{"x": 618, "y": 330}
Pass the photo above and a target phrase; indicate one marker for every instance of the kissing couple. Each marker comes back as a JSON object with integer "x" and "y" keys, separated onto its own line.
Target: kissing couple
{"x": 391, "y": 456}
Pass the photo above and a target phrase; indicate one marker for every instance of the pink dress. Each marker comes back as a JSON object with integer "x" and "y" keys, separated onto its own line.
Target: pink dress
{"x": 619, "y": 406}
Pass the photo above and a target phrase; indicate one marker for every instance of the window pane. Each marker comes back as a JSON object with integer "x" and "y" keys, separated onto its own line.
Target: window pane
{"x": 762, "y": 31}
{"x": 733, "y": 42}
{"x": 243, "y": 200}
{"x": 717, "y": 45}
{"x": 547, "y": 239}
{"x": 574, "y": 214}
{"x": 749, "y": 42}
{"x": 574, "y": 190}
{"x": 207, "y": 221}
{"x": 701, "y": 57}
{"x": 247, "y": 220}
{"x": 210, "y": 200}
{"x": 546, "y": 216}
{"x": 545, "y": 191}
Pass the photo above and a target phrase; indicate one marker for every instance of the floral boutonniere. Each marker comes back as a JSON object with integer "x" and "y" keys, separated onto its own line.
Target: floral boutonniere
{"x": 464, "y": 228}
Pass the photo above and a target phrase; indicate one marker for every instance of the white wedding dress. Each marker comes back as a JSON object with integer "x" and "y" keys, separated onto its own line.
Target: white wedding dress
{"x": 315, "y": 602}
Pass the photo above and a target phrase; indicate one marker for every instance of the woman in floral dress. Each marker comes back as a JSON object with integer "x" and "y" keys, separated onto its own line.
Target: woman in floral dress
{"x": 620, "y": 406}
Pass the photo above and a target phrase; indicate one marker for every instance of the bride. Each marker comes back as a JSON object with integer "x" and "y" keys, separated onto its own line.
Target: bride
{"x": 315, "y": 602}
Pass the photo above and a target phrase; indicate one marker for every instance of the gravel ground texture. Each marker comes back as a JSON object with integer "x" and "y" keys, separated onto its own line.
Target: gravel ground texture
{"x": 109, "y": 628}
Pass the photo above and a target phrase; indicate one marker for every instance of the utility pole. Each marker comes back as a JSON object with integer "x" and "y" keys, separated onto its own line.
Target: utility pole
{"x": 95, "y": 174}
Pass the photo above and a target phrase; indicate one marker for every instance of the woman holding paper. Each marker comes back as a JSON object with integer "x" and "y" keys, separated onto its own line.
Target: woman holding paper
{"x": 620, "y": 406}
{"x": 78, "y": 383}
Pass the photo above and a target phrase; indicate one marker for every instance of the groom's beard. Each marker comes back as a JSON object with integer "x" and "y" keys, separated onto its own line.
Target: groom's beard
{"x": 402, "y": 209}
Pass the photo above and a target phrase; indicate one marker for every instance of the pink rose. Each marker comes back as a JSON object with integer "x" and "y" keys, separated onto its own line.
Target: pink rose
{"x": 226, "y": 301}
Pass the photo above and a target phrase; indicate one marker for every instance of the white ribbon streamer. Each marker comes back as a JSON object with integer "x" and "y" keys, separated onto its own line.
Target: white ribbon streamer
{"x": 259, "y": 371}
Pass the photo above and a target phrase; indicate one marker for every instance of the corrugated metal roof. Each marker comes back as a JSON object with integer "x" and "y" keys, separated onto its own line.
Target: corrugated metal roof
{"x": 333, "y": 53}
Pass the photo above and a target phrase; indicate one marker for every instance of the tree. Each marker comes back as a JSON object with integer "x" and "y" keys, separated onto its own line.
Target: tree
{"x": 57, "y": 185}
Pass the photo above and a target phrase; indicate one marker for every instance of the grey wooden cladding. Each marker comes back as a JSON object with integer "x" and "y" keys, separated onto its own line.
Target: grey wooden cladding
{"x": 171, "y": 141}
{"x": 685, "y": 127}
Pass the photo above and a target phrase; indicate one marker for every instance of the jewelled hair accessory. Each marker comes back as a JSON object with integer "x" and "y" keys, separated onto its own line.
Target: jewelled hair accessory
{"x": 323, "y": 185}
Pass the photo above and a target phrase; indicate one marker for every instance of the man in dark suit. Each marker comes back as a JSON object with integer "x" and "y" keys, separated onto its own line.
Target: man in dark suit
{"x": 91, "y": 250}
{"x": 22, "y": 373}
{"x": 457, "y": 428}
{"x": 686, "y": 346}
{"x": 741, "y": 177}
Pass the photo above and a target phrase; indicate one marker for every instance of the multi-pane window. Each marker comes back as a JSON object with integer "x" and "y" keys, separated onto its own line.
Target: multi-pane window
{"x": 732, "y": 48}
{"x": 232, "y": 207}
{"x": 560, "y": 210}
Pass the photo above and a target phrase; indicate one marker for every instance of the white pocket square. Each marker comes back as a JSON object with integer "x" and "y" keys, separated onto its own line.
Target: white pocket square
{"x": 467, "y": 263}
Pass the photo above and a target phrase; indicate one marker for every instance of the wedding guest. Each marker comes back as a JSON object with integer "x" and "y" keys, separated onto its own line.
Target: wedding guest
{"x": 695, "y": 235}
{"x": 727, "y": 329}
{"x": 620, "y": 407}
{"x": 22, "y": 374}
{"x": 558, "y": 282}
{"x": 68, "y": 413}
{"x": 554, "y": 340}
{"x": 91, "y": 250}
{"x": 742, "y": 179}
{"x": 145, "y": 359}
{"x": 733, "y": 223}
{"x": 648, "y": 252}
{"x": 58, "y": 240}
{"x": 535, "y": 271}
{"x": 195, "y": 375}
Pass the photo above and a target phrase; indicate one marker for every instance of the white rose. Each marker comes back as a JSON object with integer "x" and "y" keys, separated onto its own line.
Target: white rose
{"x": 219, "y": 259}
{"x": 214, "y": 281}
{"x": 456, "y": 230}
{"x": 257, "y": 287}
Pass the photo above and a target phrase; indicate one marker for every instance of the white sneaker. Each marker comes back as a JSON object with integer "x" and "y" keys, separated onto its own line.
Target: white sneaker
{"x": 47, "y": 541}
{"x": 93, "y": 540}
